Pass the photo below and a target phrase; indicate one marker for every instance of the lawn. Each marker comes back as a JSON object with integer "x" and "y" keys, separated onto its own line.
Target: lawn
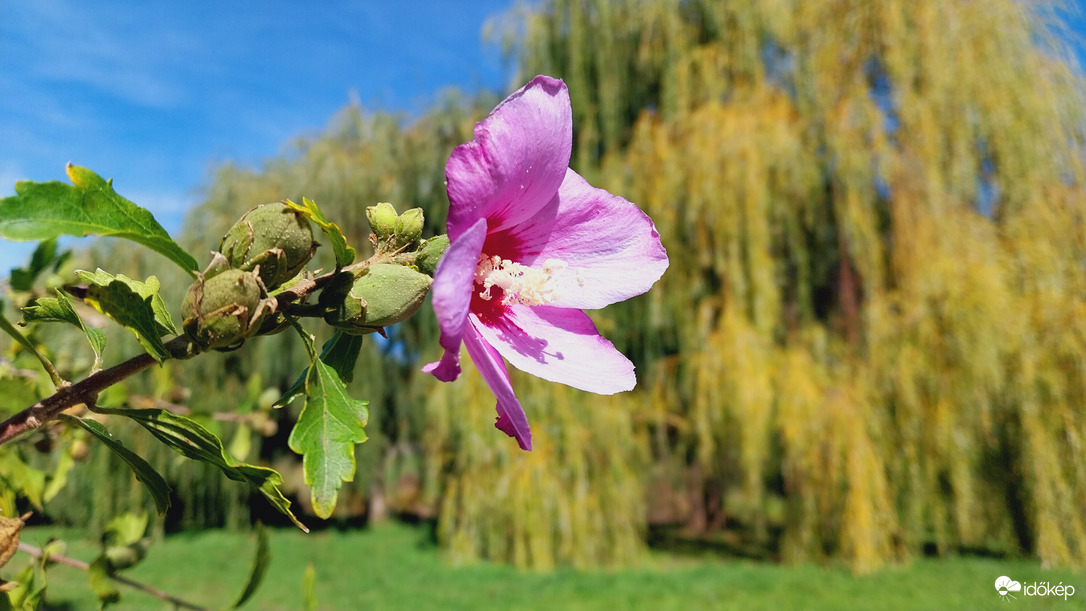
{"x": 398, "y": 567}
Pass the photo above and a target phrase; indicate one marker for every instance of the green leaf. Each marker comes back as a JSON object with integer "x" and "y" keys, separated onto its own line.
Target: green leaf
{"x": 340, "y": 353}
{"x": 16, "y": 475}
{"x": 309, "y": 587}
{"x": 260, "y": 565}
{"x": 135, "y": 305}
{"x": 344, "y": 254}
{"x": 143, "y": 471}
{"x": 329, "y": 427}
{"x": 101, "y": 584}
{"x": 125, "y": 529}
{"x": 59, "y": 478}
{"x": 90, "y": 206}
{"x": 59, "y": 309}
{"x": 28, "y": 595}
{"x": 147, "y": 289}
{"x": 44, "y": 257}
{"x": 194, "y": 441}
{"x": 16, "y": 392}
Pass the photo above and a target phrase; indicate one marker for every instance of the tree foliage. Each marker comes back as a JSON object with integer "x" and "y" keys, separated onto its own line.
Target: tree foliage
{"x": 874, "y": 212}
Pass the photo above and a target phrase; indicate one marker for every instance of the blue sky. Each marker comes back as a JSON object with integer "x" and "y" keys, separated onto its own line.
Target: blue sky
{"x": 154, "y": 93}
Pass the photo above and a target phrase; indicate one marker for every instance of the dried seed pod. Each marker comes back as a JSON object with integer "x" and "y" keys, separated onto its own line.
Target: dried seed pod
{"x": 274, "y": 237}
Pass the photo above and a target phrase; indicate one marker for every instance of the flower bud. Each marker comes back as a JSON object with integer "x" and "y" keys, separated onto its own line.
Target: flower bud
{"x": 383, "y": 295}
{"x": 273, "y": 237}
{"x": 220, "y": 310}
{"x": 430, "y": 252}
{"x": 382, "y": 218}
{"x": 409, "y": 226}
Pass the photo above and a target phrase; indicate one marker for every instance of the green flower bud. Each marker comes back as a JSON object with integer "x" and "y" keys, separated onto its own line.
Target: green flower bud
{"x": 382, "y": 219}
{"x": 430, "y": 252}
{"x": 273, "y": 237}
{"x": 220, "y": 310}
{"x": 383, "y": 295}
{"x": 409, "y": 226}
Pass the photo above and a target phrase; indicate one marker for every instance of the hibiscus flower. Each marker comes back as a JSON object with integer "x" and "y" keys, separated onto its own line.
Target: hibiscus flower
{"x": 532, "y": 243}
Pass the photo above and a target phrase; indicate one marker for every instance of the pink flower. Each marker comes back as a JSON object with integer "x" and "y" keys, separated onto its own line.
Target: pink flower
{"x": 531, "y": 244}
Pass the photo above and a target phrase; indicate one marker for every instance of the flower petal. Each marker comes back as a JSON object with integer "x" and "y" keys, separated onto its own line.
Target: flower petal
{"x": 454, "y": 280}
{"x": 511, "y": 418}
{"x": 517, "y": 160}
{"x": 611, "y": 247}
{"x": 557, "y": 344}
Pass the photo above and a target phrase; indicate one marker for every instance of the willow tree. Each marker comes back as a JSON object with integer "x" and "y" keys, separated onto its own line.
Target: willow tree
{"x": 873, "y": 315}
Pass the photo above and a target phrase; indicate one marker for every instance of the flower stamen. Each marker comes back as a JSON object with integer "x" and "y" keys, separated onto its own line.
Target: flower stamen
{"x": 519, "y": 283}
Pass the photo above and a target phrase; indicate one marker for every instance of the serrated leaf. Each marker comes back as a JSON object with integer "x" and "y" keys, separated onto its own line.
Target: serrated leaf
{"x": 144, "y": 472}
{"x": 261, "y": 560}
{"x": 344, "y": 253}
{"x": 90, "y": 206}
{"x": 189, "y": 438}
{"x": 135, "y": 305}
{"x": 340, "y": 353}
{"x": 59, "y": 309}
{"x": 146, "y": 289}
{"x": 329, "y": 427}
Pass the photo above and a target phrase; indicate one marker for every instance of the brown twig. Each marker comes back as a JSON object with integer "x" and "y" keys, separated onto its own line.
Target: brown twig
{"x": 36, "y": 552}
{"x": 86, "y": 390}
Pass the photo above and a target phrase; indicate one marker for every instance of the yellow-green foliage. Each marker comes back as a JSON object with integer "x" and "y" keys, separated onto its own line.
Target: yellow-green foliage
{"x": 874, "y": 213}
{"x": 575, "y": 499}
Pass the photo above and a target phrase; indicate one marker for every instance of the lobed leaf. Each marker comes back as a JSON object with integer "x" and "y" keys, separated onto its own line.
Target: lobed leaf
{"x": 59, "y": 309}
{"x": 144, "y": 472}
{"x": 340, "y": 353}
{"x": 329, "y": 427}
{"x": 89, "y": 206}
{"x": 135, "y": 305}
{"x": 344, "y": 254}
{"x": 189, "y": 438}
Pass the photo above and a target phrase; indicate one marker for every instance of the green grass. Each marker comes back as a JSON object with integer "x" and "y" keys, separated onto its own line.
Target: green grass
{"x": 397, "y": 567}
